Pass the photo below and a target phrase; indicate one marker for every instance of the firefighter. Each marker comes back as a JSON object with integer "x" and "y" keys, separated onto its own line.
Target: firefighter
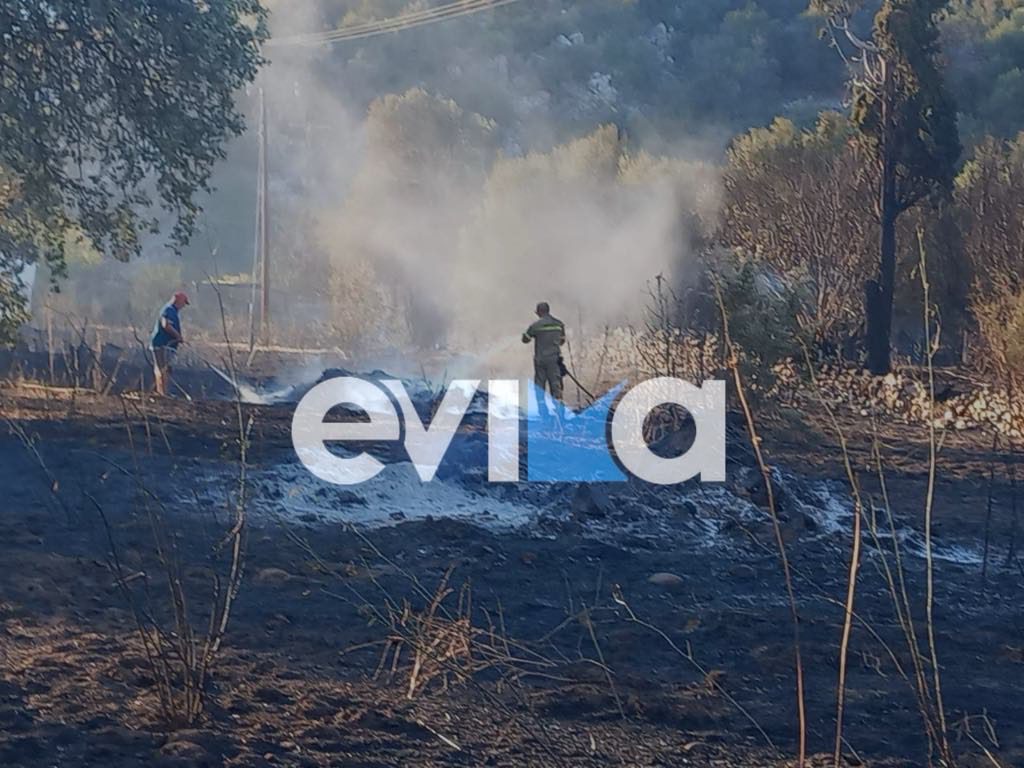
{"x": 165, "y": 341}
{"x": 548, "y": 335}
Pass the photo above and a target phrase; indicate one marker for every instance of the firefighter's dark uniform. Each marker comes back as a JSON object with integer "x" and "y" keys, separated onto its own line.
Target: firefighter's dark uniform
{"x": 547, "y": 335}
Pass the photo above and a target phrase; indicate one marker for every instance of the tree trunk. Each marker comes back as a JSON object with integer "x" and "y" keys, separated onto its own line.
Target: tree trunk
{"x": 879, "y": 301}
{"x": 879, "y": 298}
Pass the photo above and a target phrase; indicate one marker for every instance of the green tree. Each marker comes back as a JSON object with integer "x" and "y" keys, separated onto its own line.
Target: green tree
{"x": 906, "y": 123}
{"x": 112, "y": 116}
{"x": 984, "y": 43}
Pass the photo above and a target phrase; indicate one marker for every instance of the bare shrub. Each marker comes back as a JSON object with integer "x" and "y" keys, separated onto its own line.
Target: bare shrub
{"x": 182, "y": 651}
{"x": 794, "y": 200}
{"x": 733, "y": 363}
{"x": 1000, "y": 319}
{"x": 439, "y": 647}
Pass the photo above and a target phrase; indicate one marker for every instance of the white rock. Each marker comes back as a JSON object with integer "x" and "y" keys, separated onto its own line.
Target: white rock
{"x": 665, "y": 579}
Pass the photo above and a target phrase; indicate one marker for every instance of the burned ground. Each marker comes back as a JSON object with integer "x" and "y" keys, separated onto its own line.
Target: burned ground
{"x": 700, "y": 673}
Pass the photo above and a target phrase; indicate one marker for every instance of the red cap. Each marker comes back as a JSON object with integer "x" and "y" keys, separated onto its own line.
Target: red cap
{"x": 181, "y": 296}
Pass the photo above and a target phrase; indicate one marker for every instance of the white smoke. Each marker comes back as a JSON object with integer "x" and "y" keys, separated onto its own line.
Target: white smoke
{"x": 421, "y": 223}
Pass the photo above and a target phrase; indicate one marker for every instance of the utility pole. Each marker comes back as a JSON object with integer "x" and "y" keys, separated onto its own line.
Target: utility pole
{"x": 257, "y": 250}
{"x": 264, "y": 228}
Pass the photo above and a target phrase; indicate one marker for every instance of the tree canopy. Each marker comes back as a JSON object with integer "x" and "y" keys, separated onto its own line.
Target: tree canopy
{"x": 112, "y": 116}
{"x": 924, "y": 142}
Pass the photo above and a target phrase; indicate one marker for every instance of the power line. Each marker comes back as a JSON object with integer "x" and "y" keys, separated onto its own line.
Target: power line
{"x": 398, "y": 24}
{"x": 387, "y": 24}
{"x": 439, "y": 13}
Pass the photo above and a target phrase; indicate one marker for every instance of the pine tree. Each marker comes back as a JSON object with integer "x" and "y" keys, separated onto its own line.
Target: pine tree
{"x": 905, "y": 121}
